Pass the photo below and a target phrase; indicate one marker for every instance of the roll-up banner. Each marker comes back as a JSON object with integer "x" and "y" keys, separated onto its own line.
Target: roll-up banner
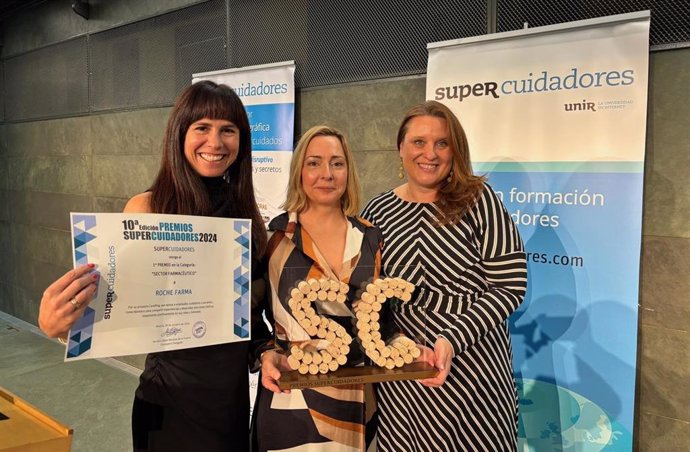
{"x": 556, "y": 117}
{"x": 268, "y": 93}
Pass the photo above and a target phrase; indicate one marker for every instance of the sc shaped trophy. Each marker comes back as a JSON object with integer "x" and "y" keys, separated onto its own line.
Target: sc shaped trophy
{"x": 340, "y": 333}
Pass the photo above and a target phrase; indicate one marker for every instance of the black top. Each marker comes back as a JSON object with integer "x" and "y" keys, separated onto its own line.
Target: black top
{"x": 201, "y": 395}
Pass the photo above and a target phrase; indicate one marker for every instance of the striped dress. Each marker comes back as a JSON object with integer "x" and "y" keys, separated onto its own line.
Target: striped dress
{"x": 470, "y": 277}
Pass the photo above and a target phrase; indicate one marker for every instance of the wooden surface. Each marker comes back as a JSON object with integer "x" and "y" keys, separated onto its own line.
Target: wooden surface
{"x": 356, "y": 375}
{"x": 27, "y": 429}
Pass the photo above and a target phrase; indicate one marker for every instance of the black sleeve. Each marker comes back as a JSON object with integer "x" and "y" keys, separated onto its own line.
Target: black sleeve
{"x": 262, "y": 336}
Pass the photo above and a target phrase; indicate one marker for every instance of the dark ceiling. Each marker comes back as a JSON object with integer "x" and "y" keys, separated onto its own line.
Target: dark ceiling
{"x": 10, "y": 7}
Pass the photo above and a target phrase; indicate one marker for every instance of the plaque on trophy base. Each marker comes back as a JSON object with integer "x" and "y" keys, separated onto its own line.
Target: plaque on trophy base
{"x": 357, "y": 375}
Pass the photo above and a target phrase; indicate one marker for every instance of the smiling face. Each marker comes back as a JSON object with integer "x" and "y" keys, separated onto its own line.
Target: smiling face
{"x": 426, "y": 152}
{"x": 324, "y": 172}
{"x": 211, "y": 146}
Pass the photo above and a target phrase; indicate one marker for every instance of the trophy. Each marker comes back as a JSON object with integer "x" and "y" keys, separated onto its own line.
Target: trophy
{"x": 347, "y": 335}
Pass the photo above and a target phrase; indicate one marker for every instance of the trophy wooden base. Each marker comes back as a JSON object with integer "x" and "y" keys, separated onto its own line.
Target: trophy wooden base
{"x": 356, "y": 375}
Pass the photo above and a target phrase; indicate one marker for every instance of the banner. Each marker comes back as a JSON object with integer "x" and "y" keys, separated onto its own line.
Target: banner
{"x": 556, "y": 117}
{"x": 268, "y": 93}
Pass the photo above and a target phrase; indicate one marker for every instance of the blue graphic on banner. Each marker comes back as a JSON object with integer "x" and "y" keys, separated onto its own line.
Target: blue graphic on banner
{"x": 272, "y": 126}
{"x": 575, "y": 364}
{"x": 578, "y": 425}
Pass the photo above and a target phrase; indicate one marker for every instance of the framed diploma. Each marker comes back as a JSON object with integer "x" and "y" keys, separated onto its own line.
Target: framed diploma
{"x": 167, "y": 282}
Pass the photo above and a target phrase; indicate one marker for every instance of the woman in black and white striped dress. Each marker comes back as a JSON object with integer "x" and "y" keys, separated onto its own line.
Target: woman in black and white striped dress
{"x": 448, "y": 232}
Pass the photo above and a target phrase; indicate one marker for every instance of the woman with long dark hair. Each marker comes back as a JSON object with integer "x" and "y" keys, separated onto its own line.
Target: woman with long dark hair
{"x": 194, "y": 399}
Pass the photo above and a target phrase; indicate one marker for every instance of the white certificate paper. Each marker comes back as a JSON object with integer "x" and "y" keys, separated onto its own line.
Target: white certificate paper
{"x": 167, "y": 282}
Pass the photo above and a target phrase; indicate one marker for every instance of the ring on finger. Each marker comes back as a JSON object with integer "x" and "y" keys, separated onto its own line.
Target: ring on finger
{"x": 75, "y": 303}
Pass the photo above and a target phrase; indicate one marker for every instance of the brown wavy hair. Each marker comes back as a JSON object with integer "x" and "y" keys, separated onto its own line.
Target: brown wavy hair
{"x": 179, "y": 189}
{"x": 457, "y": 196}
{"x": 296, "y": 200}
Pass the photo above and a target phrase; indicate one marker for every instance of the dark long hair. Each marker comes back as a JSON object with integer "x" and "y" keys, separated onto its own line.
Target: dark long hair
{"x": 179, "y": 189}
{"x": 457, "y": 196}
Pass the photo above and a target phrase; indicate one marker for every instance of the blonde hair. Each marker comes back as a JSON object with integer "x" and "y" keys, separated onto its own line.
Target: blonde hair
{"x": 296, "y": 200}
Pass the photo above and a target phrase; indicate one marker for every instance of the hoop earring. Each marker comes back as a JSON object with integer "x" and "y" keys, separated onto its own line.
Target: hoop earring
{"x": 401, "y": 173}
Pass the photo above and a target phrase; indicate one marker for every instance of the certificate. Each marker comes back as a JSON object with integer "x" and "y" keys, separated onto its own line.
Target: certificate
{"x": 167, "y": 282}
